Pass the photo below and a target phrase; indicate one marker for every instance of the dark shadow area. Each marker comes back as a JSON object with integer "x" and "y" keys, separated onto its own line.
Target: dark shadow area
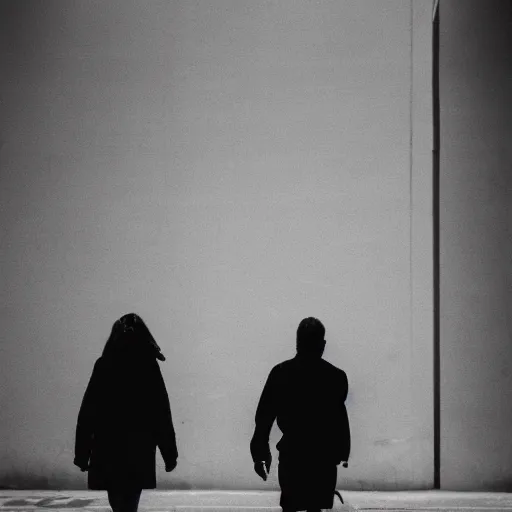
{"x": 49, "y": 503}
{"x": 475, "y": 195}
{"x": 20, "y": 37}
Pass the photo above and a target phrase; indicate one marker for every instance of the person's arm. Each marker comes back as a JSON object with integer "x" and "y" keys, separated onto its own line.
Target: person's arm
{"x": 265, "y": 415}
{"x": 85, "y": 422}
{"x": 345, "y": 427}
{"x": 166, "y": 437}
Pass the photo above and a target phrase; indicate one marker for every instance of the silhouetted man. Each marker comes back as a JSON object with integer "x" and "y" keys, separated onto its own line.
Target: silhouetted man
{"x": 306, "y": 395}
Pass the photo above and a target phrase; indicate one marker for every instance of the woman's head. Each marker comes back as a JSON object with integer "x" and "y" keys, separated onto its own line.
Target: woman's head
{"x": 131, "y": 336}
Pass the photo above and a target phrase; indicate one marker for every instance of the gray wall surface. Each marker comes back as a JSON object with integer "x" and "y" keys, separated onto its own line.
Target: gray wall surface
{"x": 476, "y": 244}
{"x": 224, "y": 169}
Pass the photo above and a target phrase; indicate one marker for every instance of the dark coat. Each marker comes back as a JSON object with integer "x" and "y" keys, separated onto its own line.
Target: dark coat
{"x": 125, "y": 415}
{"x": 307, "y": 397}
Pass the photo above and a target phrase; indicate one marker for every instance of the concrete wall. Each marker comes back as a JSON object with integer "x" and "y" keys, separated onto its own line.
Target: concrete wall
{"x": 476, "y": 244}
{"x": 225, "y": 169}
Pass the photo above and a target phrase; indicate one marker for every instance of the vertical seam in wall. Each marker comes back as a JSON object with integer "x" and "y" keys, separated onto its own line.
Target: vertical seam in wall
{"x": 411, "y": 287}
{"x": 436, "y": 249}
{"x": 411, "y": 91}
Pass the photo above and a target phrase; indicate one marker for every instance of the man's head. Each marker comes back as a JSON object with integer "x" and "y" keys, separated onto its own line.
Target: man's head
{"x": 311, "y": 338}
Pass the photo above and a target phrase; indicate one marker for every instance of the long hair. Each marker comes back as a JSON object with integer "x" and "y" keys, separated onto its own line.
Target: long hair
{"x": 131, "y": 336}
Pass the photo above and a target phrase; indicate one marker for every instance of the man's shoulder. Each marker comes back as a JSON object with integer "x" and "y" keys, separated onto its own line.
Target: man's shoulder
{"x": 283, "y": 365}
{"x": 292, "y": 365}
{"x": 333, "y": 370}
{"x": 99, "y": 364}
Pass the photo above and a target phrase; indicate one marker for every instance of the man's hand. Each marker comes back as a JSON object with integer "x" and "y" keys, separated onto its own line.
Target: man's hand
{"x": 170, "y": 466}
{"x": 262, "y": 468}
{"x": 84, "y": 466}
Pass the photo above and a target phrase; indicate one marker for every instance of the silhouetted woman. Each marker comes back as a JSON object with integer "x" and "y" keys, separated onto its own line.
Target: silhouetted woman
{"x": 125, "y": 415}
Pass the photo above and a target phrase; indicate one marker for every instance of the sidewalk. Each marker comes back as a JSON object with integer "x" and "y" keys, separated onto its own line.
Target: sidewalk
{"x": 197, "y": 501}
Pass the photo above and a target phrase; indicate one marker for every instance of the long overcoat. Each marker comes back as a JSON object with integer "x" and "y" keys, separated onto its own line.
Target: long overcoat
{"x": 125, "y": 414}
{"x": 307, "y": 398}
